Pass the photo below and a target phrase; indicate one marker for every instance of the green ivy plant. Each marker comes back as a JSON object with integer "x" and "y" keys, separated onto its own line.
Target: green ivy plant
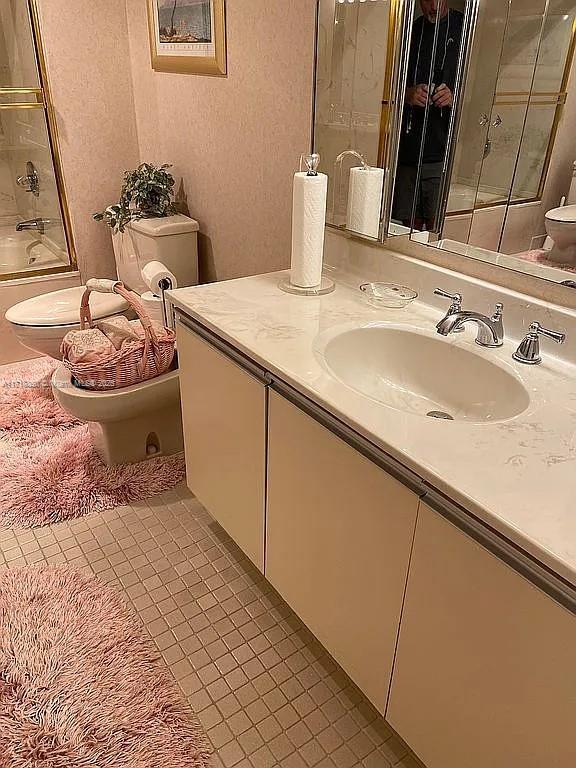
{"x": 147, "y": 193}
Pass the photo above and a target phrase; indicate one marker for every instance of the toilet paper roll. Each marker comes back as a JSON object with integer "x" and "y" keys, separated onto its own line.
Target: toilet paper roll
{"x": 153, "y": 306}
{"x": 365, "y": 200}
{"x": 153, "y": 274}
{"x": 308, "y": 221}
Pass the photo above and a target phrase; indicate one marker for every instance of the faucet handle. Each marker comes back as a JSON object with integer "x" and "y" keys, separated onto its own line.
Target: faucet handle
{"x": 455, "y": 298}
{"x": 528, "y": 351}
{"x": 455, "y": 306}
{"x": 498, "y": 312}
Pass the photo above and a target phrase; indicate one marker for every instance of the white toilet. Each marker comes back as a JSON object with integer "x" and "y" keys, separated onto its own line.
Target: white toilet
{"x": 561, "y": 227}
{"x": 133, "y": 423}
{"x": 42, "y": 322}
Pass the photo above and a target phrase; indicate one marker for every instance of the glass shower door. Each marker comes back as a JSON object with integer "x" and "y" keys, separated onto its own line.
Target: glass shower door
{"x": 34, "y": 232}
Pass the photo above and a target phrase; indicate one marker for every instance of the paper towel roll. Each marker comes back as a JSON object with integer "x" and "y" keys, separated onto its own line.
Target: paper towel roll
{"x": 365, "y": 200}
{"x": 308, "y": 221}
{"x": 153, "y": 306}
{"x": 153, "y": 274}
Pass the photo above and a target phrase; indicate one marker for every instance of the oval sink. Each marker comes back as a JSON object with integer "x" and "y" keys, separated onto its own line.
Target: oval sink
{"x": 425, "y": 375}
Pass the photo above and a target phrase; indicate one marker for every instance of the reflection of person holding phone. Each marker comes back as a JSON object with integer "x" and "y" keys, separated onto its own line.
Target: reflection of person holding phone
{"x": 428, "y": 83}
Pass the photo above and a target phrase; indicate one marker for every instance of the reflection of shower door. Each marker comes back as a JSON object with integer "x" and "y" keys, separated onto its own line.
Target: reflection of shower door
{"x": 517, "y": 129}
{"x": 508, "y": 117}
{"x": 474, "y": 141}
{"x": 35, "y": 236}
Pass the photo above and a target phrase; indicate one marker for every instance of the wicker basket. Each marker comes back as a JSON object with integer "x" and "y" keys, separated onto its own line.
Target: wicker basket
{"x": 136, "y": 361}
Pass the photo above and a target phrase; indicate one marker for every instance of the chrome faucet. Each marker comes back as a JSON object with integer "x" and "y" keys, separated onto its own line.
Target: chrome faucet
{"x": 490, "y": 329}
{"x": 38, "y": 225}
{"x": 30, "y": 181}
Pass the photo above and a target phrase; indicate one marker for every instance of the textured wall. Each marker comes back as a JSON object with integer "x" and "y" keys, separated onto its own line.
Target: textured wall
{"x": 235, "y": 141}
{"x": 87, "y": 53}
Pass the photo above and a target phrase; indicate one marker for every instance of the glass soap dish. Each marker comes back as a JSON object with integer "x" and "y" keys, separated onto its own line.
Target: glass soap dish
{"x": 388, "y": 295}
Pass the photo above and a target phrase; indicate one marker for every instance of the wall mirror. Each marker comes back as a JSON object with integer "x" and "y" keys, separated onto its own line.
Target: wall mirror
{"x": 451, "y": 122}
{"x": 493, "y": 178}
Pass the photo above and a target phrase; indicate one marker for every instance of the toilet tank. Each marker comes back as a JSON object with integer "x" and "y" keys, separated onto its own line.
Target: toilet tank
{"x": 172, "y": 240}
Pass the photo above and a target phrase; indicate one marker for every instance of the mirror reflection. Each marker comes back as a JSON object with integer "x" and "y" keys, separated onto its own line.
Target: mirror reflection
{"x": 502, "y": 189}
{"x": 432, "y": 70}
{"x": 352, "y": 61}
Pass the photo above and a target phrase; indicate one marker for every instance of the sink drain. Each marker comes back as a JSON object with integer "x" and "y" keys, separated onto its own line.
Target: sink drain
{"x": 440, "y": 415}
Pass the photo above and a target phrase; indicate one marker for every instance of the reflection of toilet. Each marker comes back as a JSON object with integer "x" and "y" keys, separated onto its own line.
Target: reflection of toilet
{"x": 561, "y": 227}
{"x": 132, "y": 423}
{"x": 129, "y": 424}
{"x": 42, "y": 322}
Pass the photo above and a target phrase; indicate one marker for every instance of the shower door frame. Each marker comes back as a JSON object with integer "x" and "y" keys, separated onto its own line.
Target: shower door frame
{"x": 44, "y": 102}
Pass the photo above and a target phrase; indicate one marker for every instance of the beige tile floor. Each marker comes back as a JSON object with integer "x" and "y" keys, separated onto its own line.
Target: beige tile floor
{"x": 265, "y": 690}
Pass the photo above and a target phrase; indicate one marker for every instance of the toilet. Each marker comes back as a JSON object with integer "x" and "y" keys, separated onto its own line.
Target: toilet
{"x": 561, "y": 227}
{"x": 42, "y": 322}
{"x": 133, "y": 423}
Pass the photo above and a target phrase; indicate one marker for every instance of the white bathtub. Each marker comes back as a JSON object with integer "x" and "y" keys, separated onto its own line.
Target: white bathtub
{"x": 19, "y": 252}
{"x": 464, "y": 197}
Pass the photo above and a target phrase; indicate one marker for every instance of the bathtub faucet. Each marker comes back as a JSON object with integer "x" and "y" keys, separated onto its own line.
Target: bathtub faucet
{"x": 38, "y": 225}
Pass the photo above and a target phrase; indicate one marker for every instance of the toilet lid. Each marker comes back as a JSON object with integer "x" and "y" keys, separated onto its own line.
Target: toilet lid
{"x": 63, "y": 307}
{"x": 565, "y": 213}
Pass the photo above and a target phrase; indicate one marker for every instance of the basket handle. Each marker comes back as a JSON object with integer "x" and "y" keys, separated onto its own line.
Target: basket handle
{"x": 116, "y": 286}
{"x": 101, "y": 286}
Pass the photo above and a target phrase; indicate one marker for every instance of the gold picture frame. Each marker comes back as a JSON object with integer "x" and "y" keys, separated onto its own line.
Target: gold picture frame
{"x": 188, "y": 36}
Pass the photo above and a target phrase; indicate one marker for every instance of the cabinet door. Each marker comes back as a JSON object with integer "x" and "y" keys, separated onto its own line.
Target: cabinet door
{"x": 224, "y": 415}
{"x": 339, "y": 532}
{"x": 485, "y": 672}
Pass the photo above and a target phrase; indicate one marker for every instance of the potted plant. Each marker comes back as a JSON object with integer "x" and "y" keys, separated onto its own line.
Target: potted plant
{"x": 147, "y": 193}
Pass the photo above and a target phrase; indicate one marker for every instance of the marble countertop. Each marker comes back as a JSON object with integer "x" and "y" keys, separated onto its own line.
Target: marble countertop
{"x": 518, "y": 476}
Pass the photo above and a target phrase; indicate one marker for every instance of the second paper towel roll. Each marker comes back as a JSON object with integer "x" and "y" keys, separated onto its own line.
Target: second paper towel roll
{"x": 308, "y": 221}
{"x": 365, "y": 200}
{"x": 153, "y": 274}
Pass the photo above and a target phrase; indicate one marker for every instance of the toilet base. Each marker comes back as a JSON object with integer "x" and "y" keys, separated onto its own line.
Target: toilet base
{"x": 146, "y": 436}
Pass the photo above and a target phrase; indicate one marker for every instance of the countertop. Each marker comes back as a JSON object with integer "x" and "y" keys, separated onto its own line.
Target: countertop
{"x": 518, "y": 476}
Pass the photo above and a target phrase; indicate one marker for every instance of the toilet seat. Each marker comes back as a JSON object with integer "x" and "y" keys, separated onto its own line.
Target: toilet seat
{"x": 566, "y": 213}
{"x": 62, "y": 308}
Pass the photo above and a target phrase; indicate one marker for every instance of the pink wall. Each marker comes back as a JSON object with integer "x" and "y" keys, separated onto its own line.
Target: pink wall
{"x": 235, "y": 141}
{"x": 87, "y": 56}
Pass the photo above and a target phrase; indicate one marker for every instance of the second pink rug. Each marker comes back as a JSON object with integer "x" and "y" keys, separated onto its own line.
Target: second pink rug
{"x": 49, "y": 471}
{"x": 80, "y": 684}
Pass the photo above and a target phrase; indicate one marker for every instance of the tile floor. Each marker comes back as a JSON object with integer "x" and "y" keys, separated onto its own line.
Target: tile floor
{"x": 265, "y": 690}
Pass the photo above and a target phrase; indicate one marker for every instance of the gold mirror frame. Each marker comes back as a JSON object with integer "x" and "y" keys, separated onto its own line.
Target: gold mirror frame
{"x": 197, "y": 65}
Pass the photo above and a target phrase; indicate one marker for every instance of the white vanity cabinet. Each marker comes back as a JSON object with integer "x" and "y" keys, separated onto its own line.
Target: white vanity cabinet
{"x": 339, "y": 534}
{"x": 224, "y": 416}
{"x": 485, "y": 673}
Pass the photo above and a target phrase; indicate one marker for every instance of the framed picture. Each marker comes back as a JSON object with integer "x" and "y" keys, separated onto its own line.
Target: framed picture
{"x": 188, "y": 36}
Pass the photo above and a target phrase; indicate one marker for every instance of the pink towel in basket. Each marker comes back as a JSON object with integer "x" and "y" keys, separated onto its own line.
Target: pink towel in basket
{"x": 94, "y": 345}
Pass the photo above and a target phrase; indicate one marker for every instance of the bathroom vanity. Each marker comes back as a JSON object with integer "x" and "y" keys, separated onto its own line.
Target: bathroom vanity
{"x": 435, "y": 560}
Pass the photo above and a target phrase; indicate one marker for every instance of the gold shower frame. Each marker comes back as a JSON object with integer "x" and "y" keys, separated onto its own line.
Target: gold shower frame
{"x": 43, "y": 101}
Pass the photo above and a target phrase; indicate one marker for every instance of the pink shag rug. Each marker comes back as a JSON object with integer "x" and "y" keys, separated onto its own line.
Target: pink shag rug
{"x": 80, "y": 684}
{"x": 49, "y": 471}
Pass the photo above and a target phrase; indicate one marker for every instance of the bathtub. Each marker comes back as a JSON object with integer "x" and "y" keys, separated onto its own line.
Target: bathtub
{"x": 20, "y": 253}
{"x": 465, "y": 197}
